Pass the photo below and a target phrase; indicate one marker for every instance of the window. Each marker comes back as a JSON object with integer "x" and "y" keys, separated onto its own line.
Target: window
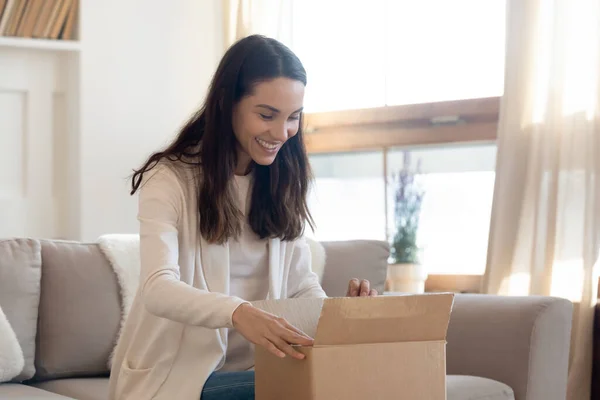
{"x": 348, "y": 198}
{"x": 341, "y": 44}
{"x": 455, "y": 215}
{"x": 349, "y": 201}
{"x": 385, "y": 76}
{"x": 365, "y": 54}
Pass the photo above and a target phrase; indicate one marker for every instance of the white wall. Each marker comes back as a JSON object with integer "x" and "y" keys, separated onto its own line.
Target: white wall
{"x": 32, "y": 120}
{"x": 145, "y": 67}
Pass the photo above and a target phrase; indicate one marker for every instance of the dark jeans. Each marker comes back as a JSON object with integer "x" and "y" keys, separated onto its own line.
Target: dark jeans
{"x": 229, "y": 386}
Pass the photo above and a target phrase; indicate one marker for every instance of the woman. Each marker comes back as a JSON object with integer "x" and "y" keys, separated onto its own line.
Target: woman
{"x": 222, "y": 211}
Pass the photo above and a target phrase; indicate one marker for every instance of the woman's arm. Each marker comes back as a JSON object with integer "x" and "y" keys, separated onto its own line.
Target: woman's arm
{"x": 302, "y": 282}
{"x": 161, "y": 205}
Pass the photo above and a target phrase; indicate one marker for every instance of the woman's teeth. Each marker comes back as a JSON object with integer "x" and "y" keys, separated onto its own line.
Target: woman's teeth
{"x": 266, "y": 144}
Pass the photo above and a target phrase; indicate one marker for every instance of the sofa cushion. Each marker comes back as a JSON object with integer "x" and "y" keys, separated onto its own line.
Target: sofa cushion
{"x": 460, "y": 387}
{"x": 20, "y": 274}
{"x": 79, "y": 388}
{"x": 11, "y": 355}
{"x": 363, "y": 259}
{"x": 15, "y": 391}
{"x": 79, "y": 311}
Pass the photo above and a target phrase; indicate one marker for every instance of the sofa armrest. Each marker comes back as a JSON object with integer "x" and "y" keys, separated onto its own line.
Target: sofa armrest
{"x": 520, "y": 341}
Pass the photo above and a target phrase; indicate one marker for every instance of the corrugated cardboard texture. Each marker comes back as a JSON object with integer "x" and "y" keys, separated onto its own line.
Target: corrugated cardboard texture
{"x": 407, "y": 371}
{"x": 385, "y": 319}
{"x": 283, "y": 378}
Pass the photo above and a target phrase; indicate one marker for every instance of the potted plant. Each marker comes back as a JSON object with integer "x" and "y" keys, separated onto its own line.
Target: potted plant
{"x": 405, "y": 271}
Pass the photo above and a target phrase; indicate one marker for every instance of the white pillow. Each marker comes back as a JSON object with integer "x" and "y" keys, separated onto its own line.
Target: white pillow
{"x": 317, "y": 253}
{"x": 11, "y": 355}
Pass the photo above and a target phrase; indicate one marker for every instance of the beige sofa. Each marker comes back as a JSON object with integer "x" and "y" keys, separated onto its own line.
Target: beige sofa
{"x": 62, "y": 298}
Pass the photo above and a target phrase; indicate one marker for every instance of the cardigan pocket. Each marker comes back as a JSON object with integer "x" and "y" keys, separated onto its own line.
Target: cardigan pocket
{"x": 136, "y": 383}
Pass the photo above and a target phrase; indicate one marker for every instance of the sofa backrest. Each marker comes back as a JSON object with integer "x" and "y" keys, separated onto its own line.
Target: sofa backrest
{"x": 79, "y": 312}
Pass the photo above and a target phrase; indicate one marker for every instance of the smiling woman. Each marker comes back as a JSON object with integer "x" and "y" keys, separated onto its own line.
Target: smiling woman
{"x": 222, "y": 214}
{"x": 249, "y": 125}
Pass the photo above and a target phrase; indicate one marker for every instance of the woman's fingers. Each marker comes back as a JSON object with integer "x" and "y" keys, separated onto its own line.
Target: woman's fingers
{"x": 267, "y": 344}
{"x": 353, "y": 288}
{"x": 373, "y": 293}
{"x": 360, "y": 288}
{"x": 286, "y": 348}
{"x": 292, "y": 337}
{"x": 365, "y": 288}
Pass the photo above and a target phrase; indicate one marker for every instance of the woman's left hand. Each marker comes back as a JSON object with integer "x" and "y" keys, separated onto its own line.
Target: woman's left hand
{"x": 358, "y": 288}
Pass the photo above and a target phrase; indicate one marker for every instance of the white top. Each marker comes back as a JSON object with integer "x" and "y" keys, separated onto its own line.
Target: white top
{"x": 248, "y": 276}
{"x": 176, "y": 331}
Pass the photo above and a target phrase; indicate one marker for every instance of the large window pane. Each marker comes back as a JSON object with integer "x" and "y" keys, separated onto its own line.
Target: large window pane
{"x": 444, "y": 50}
{"x": 348, "y": 199}
{"x": 455, "y": 218}
{"x": 363, "y": 54}
{"x": 341, "y": 44}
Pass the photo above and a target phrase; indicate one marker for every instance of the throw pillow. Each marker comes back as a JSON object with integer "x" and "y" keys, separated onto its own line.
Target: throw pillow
{"x": 317, "y": 252}
{"x": 20, "y": 279}
{"x": 11, "y": 355}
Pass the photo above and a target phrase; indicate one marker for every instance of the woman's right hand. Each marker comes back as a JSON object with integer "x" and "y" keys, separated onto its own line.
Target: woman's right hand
{"x": 269, "y": 331}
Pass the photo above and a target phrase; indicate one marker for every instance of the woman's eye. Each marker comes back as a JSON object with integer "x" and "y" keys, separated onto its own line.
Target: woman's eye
{"x": 266, "y": 117}
{"x": 295, "y": 117}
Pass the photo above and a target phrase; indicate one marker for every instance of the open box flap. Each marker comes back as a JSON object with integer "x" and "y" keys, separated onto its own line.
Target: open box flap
{"x": 303, "y": 313}
{"x": 384, "y": 319}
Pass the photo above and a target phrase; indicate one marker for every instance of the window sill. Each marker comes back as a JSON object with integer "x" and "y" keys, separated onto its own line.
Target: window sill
{"x": 454, "y": 283}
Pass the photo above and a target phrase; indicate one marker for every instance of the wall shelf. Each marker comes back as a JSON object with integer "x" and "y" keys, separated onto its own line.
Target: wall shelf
{"x": 39, "y": 44}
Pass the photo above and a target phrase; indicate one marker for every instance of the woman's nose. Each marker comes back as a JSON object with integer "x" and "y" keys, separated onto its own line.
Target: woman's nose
{"x": 280, "y": 133}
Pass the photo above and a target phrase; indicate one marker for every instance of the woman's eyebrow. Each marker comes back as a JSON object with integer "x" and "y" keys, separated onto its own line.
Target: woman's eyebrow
{"x": 268, "y": 107}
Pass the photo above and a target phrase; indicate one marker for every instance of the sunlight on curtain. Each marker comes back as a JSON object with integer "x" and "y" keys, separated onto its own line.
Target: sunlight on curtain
{"x": 578, "y": 70}
{"x": 545, "y": 231}
{"x": 242, "y": 18}
{"x": 568, "y": 280}
{"x": 581, "y": 60}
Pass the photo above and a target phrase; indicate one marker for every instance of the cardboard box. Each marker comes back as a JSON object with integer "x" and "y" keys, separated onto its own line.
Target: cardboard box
{"x": 388, "y": 347}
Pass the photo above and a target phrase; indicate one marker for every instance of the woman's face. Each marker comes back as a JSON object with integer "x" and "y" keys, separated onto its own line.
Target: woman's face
{"x": 264, "y": 120}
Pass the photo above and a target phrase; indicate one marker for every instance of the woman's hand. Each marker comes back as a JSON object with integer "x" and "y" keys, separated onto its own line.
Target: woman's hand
{"x": 269, "y": 331}
{"x": 362, "y": 288}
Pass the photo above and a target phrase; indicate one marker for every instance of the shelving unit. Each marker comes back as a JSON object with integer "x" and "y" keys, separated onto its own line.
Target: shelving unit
{"x": 39, "y": 123}
{"x": 76, "y": 116}
{"x": 39, "y": 44}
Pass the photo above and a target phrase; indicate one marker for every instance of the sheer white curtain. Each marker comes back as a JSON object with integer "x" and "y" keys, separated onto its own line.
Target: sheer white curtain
{"x": 272, "y": 18}
{"x": 545, "y": 231}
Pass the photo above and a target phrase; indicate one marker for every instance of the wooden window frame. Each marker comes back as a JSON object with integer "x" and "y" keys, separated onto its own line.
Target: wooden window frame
{"x": 413, "y": 125}
{"x": 458, "y": 121}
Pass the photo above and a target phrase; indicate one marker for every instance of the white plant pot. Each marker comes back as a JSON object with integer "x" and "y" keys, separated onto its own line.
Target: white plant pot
{"x": 406, "y": 278}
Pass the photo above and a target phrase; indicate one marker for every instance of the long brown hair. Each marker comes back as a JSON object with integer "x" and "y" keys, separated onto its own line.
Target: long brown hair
{"x": 279, "y": 196}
